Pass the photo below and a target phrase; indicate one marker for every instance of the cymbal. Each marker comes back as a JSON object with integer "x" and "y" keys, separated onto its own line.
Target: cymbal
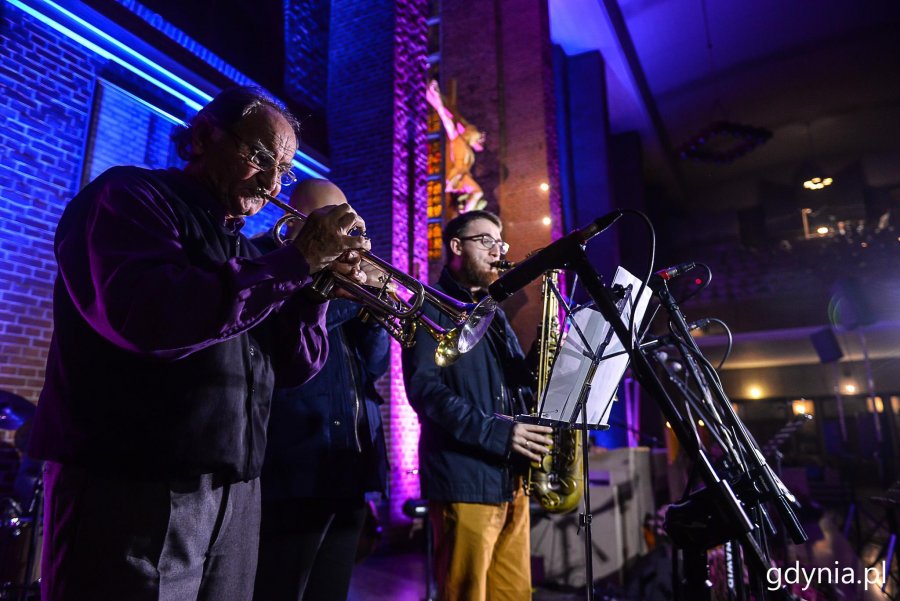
{"x": 14, "y": 410}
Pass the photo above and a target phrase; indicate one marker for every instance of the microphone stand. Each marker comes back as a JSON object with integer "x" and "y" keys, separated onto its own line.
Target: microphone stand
{"x": 723, "y": 505}
{"x": 761, "y": 484}
{"x": 586, "y": 518}
{"x": 695, "y": 585}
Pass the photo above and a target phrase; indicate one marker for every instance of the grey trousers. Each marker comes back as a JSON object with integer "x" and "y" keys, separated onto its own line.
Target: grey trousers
{"x": 118, "y": 540}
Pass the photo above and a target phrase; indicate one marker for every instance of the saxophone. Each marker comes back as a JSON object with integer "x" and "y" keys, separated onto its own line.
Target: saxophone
{"x": 557, "y": 481}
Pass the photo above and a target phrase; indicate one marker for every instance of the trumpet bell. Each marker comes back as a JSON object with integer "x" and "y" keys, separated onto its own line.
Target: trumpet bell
{"x": 398, "y": 316}
{"x": 447, "y": 351}
{"x": 476, "y": 324}
{"x": 461, "y": 339}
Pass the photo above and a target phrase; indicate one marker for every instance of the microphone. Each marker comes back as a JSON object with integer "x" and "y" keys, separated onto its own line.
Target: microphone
{"x": 553, "y": 256}
{"x": 669, "y": 339}
{"x": 669, "y": 273}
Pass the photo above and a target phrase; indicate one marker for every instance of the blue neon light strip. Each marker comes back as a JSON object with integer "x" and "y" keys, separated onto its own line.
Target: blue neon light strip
{"x": 104, "y": 53}
{"x": 301, "y": 160}
{"x": 129, "y": 51}
{"x": 189, "y": 44}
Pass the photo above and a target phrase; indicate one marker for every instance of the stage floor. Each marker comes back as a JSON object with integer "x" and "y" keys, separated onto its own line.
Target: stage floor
{"x": 400, "y": 577}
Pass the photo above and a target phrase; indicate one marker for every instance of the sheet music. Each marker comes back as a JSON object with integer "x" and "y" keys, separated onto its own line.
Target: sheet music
{"x": 574, "y": 360}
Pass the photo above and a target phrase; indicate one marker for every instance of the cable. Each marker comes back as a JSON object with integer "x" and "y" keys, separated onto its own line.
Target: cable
{"x": 730, "y": 341}
{"x": 644, "y": 281}
{"x": 699, "y": 288}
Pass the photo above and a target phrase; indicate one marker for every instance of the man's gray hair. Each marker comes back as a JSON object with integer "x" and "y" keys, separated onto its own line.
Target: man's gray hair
{"x": 225, "y": 110}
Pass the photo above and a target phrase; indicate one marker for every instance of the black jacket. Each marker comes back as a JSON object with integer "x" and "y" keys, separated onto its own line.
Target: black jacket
{"x": 464, "y": 448}
{"x": 326, "y": 437}
{"x": 169, "y": 330}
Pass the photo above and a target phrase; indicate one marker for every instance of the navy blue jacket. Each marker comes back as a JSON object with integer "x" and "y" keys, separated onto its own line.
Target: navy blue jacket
{"x": 314, "y": 447}
{"x": 464, "y": 447}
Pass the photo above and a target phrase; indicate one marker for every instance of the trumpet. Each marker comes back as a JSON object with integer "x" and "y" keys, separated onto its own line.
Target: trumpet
{"x": 397, "y": 301}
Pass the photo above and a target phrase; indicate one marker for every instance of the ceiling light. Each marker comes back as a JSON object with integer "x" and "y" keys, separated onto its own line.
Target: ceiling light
{"x": 802, "y": 407}
{"x": 546, "y": 221}
{"x": 817, "y": 183}
{"x": 545, "y": 187}
{"x": 755, "y": 392}
{"x": 811, "y": 174}
{"x": 723, "y": 142}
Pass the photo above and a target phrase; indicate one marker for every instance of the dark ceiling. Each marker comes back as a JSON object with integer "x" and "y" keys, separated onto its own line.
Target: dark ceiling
{"x": 823, "y": 76}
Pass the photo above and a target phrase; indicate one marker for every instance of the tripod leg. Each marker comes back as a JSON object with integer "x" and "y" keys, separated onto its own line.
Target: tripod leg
{"x": 888, "y": 561}
{"x": 690, "y": 574}
{"x": 430, "y": 594}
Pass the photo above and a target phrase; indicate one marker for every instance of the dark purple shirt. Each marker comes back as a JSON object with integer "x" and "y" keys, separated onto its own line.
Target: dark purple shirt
{"x": 140, "y": 291}
{"x": 170, "y": 332}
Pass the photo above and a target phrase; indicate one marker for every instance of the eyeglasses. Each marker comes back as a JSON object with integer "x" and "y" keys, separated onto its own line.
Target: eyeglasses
{"x": 264, "y": 160}
{"x": 487, "y": 242}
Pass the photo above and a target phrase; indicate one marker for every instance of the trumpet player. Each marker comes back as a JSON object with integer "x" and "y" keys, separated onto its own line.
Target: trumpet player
{"x": 325, "y": 449}
{"x": 169, "y": 331}
{"x": 468, "y": 445}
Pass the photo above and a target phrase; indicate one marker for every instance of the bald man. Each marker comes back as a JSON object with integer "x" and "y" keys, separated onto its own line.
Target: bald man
{"x": 325, "y": 452}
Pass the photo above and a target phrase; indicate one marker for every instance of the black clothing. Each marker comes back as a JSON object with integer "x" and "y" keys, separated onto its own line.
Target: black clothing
{"x": 139, "y": 387}
{"x": 464, "y": 447}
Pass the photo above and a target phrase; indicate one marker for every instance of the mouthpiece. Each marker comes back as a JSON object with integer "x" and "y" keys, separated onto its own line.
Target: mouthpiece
{"x": 503, "y": 264}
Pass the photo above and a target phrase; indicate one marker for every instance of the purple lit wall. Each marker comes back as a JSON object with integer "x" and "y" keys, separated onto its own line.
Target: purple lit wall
{"x": 376, "y": 131}
{"x": 410, "y": 229}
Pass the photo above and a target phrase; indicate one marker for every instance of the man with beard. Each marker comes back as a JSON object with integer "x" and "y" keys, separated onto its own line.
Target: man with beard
{"x": 471, "y": 453}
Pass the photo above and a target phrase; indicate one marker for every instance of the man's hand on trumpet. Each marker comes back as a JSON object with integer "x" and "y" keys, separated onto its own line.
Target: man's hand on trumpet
{"x": 326, "y": 243}
{"x": 378, "y": 279}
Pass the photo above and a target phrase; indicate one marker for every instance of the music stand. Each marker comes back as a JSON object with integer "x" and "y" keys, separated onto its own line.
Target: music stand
{"x": 584, "y": 378}
{"x": 589, "y": 363}
{"x": 721, "y": 502}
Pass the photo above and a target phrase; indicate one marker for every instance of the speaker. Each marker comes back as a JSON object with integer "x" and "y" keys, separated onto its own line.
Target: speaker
{"x": 826, "y": 345}
{"x": 850, "y": 304}
{"x": 621, "y": 491}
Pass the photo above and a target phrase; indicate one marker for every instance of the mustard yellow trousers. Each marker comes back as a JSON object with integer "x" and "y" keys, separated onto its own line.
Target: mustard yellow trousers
{"x": 482, "y": 551}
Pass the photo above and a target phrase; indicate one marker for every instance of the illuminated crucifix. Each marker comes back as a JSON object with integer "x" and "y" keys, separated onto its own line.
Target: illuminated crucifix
{"x": 464, "y": 140}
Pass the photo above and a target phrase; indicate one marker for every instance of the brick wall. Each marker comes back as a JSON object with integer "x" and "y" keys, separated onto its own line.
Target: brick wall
{"x": 47, "y": 81}
{"x": 124, "y": 132}
{"x": 376, "y": 119}
{"x": 410, "y": 215}
{"x": 360, "y": 110}
{"x": 63, "y": 125}
{"x": 306, "y": 51}
{"x": 499, "y": 55}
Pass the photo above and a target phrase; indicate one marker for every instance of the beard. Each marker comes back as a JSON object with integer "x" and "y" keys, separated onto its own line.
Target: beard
{"x": 477, "y": 274}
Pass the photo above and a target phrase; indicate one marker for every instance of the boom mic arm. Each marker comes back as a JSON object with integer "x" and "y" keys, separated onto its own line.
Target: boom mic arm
{"x": 553, "y": 256}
